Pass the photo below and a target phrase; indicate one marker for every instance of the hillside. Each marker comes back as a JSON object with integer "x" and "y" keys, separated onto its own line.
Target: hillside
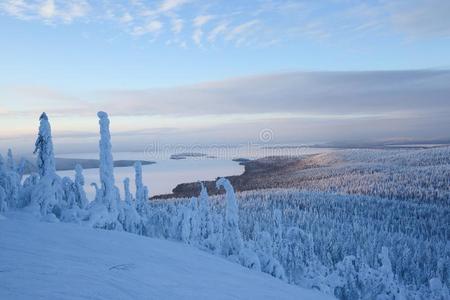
{"x": 416, "y": 175}
{"x": 40, "y": 260}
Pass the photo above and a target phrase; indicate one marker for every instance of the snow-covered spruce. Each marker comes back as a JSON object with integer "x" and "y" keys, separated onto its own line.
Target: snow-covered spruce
{"x": 105, "y": 211}
{"x": 232, "y": 239}
{"x": 47, "y": 195}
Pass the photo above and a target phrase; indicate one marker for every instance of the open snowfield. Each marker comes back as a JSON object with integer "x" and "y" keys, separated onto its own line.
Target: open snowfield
{"x": 40, "y": 260}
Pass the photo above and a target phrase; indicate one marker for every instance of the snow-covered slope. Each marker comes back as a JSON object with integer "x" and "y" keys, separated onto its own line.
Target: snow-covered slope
{"x": 67, "y": 261}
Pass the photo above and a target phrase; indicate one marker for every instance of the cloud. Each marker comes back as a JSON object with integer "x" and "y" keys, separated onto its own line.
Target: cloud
{"x": 126, "y": 18}
{"x": 318, "y": 94}
{"x": 177, "y": 25}
{"x": 168, "y": 5}
{"x": 297, "y": 106}
{"x": 35, "y": 92}
{"x": 197, "y": 36}
{"x": 242, "y": 32}
{"x": 421, "y": 18}
{"x": 216, "y": 31}
{"x": 199, "y": 21}
{"x": 49, "y": 11}
{"x": 250, "y": 23}
{"x": 307, "y": 92}
{"x": 153, "y": 26}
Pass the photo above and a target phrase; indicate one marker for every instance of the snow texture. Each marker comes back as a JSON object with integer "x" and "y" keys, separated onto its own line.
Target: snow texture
{"x": 65, "y": 261}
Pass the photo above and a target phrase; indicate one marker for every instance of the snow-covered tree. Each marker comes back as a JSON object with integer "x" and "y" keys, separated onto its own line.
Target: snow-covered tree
{"x": 127, "y": 194}
{"x": 2, "y": 164}
{"x": 345, "y": 280}
{"x": 98, "y": 193}
{"x": 21, "y": 168}
{"x": 141, "y": 190}
{"x": 438, "y": 290}
{"x": 80, "y": 195}
{"x": 108, "y": 188}
{"x": 390, "y": 289}
{"x": 10, "y": 163}
{"x": 10, "y": 182}
{"x": 3, "y": 203}
{"x": 44, "y": 148}
{"x": 48, "y": 193}
{"x": 277, "y": 232}
{"x": 28, "y": 186}
{"x": 232, "y": 237}
{"x": 205, "y": 220}
{"x": 69, "y": 191}
{"x": 298, "y": 254}
{"x": 106, "y": 210}
{"x": 264, "y": 249}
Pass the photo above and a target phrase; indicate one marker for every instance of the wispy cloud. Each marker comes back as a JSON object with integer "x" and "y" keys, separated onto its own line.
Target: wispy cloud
{"x": 198, "y": 22}
{"x": 177, "y": 25}
{"x": 153, "y": 26}
{"x": 64, "y": 11}
{"x": 202, "y": 20}
{"x": 248, "y": 22}
{"x": 217, "y": 30}
{"x": 168, "y": 5}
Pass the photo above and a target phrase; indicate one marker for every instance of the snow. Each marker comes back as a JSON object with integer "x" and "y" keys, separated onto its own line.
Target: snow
{"x": 40, "y": 260}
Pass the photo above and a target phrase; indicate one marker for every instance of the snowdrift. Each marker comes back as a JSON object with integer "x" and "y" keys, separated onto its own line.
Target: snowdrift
{"x": 40, "y": 260}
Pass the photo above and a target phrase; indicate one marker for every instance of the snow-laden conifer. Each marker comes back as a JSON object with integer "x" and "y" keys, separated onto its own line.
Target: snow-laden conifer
{"x": 107, "y": 208}
{"x": 232, "y": 237}
{"x": 45, "y": 160}
{"x": 128, "y": 197}
{"x": 108, "y": 188}
{"x": 80, "y": 195}
{"x": 141, "y": 189}
{"x": 3, "y": 203}
{"x": 10, "y": 182}
{"x": 10, "y": 163}
{"x": 205, "y": 219}
{"x": 47, "y": 196}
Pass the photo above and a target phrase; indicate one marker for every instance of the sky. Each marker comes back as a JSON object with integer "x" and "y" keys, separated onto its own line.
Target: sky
{"x": 224, "y": 71}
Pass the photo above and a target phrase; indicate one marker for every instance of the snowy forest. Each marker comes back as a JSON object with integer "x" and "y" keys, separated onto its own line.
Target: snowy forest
{"x": 349, "y": 238}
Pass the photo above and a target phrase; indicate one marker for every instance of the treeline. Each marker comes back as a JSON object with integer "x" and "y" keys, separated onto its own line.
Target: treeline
{"x": 422, "y": 176}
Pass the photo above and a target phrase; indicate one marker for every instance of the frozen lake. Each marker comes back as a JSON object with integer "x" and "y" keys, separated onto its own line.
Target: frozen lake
{"x": 166, "y": 173}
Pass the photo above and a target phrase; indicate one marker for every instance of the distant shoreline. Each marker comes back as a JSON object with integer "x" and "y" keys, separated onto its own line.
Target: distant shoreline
{"x": 67, "y": 164}
{"x": 322, "y": 171}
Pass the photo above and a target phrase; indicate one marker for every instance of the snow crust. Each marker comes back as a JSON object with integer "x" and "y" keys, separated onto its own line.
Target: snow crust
{"x": 40, "y": 260}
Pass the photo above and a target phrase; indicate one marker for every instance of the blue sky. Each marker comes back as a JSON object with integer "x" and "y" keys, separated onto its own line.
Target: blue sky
{"x": 72, "y": 57}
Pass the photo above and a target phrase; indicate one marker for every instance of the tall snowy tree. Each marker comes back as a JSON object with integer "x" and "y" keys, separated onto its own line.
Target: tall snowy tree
{"x": 107, "y": 210}
{"x": 205, "y": 222}
{"x": 108, "y": 188}
{"x": 232, "y": 237}
{"x": 44, "y": 148}
{"x": 48, "y": 193}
